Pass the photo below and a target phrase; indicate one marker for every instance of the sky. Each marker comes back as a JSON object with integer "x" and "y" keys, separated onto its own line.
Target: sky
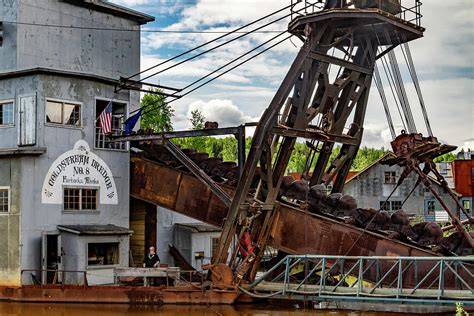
{"x": 443, "y": 59}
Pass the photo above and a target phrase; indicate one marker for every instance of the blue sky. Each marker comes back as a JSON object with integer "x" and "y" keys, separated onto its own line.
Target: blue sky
{"x": 443, "y": 59}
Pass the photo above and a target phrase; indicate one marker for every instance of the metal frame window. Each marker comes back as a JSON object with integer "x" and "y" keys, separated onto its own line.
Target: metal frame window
{"x": 76, "y": 199}
{"x": 4, "y": 200}
{"x": 390, "y": 177}
{"x": 384, "y": 206}
{"x": 214, "y": 244}
{"x": 7, "y": 113}
{"x": 430, "y": 206}
{"x": 119, "y": 115}
{"x": 396, "y": 205}
{"x": 466, "y": 204}
{"x": 63, "y": 113}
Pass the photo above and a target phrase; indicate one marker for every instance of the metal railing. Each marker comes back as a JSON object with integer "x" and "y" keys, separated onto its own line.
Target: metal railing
{"x": 55, "y": 277}
{"x": 423, "y": 280}
{"x": 101, "y": 141}
{"x": 169, "y": 277}
{"x": 407, "y": 10}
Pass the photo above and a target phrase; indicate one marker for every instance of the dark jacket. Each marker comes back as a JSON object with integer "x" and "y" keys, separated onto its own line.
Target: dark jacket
{"x": 150, "y": 260}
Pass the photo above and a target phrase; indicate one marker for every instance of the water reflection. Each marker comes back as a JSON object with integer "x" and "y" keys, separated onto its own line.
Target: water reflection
{"x": 41, "y": 309}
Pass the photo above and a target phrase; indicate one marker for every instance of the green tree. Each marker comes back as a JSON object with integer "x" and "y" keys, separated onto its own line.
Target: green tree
{"x": 157, "y": 113}
{"x": 445, "y": 158}
{"x": 197, "y": 120}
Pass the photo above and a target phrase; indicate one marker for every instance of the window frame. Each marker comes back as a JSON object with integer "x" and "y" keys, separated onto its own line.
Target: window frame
{"x": 392, "y": 180}
{"x": 8, "y": 101}
{"x": 8, "y": 189}
{"x": 213, "y": 238}
{"x": 127, "y": 114}
{"x": 100, "y": 266}
{"x": 428, "y": 202}
{"x": 387, "y": 206}
{"x": 392, "y": 205}
{"x": 62, "y": 125}
{"x": 81, "y": 209}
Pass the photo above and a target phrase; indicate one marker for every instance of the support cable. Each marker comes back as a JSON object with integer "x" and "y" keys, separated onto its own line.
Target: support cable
{"x": 217, "y": 70}
{"x": 378, "y": 83}
{"x": 225, "y": 72}
{"x": 209, "y": 42}
{"x": 401, "y": 91}
{"x": 391, "y": 82}
{"x": 411, "y": 68}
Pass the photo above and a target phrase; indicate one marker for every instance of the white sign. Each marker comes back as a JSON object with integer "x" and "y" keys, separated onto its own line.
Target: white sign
{"x": 79, "y": 168}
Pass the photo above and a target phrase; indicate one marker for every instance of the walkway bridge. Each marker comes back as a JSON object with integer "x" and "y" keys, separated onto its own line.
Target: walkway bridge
{"x": 392, "y": 280}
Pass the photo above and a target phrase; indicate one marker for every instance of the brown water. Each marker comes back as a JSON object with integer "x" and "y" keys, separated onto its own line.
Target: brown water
{"x": 44, "y": 309}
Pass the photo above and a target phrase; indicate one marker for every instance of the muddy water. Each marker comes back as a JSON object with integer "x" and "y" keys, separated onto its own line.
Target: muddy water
{"x": 39, "y": 309}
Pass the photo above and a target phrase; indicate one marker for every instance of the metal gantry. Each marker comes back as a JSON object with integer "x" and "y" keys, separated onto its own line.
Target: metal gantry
{"x": 329, "y": 83}
{"x": 413, "y": 280}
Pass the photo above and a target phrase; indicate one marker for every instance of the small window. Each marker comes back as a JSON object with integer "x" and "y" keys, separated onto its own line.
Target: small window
{"x": 4, "y": 200}
{"x": 431, "y": 205}
{"x": 385, "y": 206}
{"x": 214, "y": 244}
{"x": 118, "y": 117}
{"x": 466, "y": 204}
{"x": 396, "y": 205}
{"x": 390, "y": 177}
{"x": 6, "y": 113}
{"x": 80, "y": 199}
{"x": 101, "y": 254}
{"x": 63, "y": 113}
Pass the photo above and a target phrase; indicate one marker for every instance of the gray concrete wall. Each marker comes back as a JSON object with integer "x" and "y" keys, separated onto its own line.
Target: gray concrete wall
{"x": 10, "y": 224}
{"x": 97, "y": 52}
{"x": 75, "y": 250}
{"x": 106, "y": 53}
{"x": 40, "y": 217}
{"x": 8, "y": 12}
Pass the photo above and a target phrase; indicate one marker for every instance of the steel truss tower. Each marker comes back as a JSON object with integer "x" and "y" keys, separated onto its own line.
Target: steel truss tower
{"x": 323, "y": 98}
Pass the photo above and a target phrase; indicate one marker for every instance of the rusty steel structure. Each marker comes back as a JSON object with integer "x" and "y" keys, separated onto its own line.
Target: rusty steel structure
{"x": 334, "y": 103}
{"x": 323, "y": 99}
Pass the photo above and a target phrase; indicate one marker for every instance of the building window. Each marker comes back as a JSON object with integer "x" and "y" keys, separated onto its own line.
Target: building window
{"x": 101, "y": 254}
{"x": 214, "y": 244}
{"x": 4, "y": 200}
{"x": 430, "y": 206}
{"x": 6, "y": 113}
{"x": 385, "y": 206}
{"x": 118, "y": 118}
{"x": 80, "y": 199}
{"x": 466, "y": 204}
{"x": 63, "y": 113}
{"x": 390, "y": 177}
{"x": 396, "y": 205}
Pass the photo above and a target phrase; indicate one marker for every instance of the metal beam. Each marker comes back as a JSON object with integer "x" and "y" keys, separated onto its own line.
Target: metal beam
{"x": 340, "y": 62}
{"x": 314, "y": 134}
{"x": 180, "y": 134}
{"x": 198, "y": 172}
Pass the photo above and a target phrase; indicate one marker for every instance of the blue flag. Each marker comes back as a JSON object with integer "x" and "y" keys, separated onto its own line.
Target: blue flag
{"x": 131, "y": 122}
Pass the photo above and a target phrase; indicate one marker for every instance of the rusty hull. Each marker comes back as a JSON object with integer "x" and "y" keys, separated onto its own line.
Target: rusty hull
{"x": 116, "y": 294}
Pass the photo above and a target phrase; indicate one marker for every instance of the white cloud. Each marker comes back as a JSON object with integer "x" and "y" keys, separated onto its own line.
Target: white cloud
{"x": 250, "y": 88}
{"x": 225, "y": 112}
{"x": 131, "y": 3}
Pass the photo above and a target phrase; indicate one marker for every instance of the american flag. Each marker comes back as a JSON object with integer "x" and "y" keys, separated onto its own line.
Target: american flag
{"x": 105, "y": 119}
